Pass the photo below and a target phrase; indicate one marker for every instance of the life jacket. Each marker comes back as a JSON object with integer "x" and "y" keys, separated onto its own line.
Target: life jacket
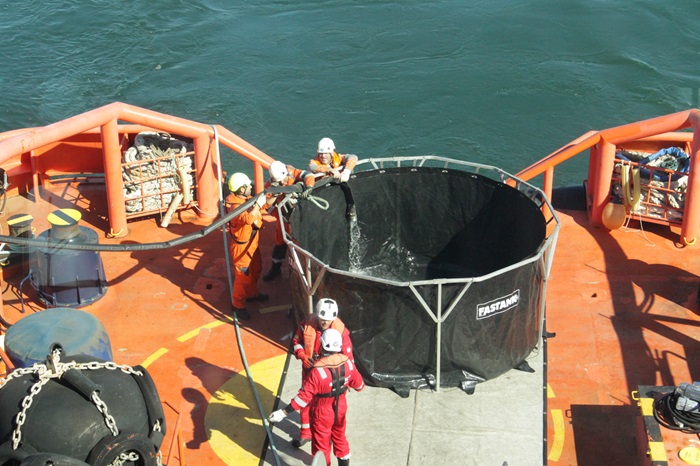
{"x": 335, "y": 363}
{"x": 336, "y": 162}
{"x": 310, "y": 332}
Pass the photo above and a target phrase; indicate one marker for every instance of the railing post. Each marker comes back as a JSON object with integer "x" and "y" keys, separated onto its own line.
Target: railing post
{"x": 691, "y": 211}
{"x": 207, "y": 190}
{"x": 114, "y": 184}
{"x": 602, "y": 168}
{"x": 548, "y": 182}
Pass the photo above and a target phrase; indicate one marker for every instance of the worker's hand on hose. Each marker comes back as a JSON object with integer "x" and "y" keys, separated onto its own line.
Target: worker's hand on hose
{"x": 277, "y": 416}
{"x": 345, "y": 175}
{"x": 308, "y": 363}
{"x": 261, "y": 201}
{"x": 335, "y": 173}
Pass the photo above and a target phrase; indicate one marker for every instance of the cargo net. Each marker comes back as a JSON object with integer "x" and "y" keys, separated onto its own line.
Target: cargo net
{"x": 662, "y": 182}
{"x": 154, "y": 170}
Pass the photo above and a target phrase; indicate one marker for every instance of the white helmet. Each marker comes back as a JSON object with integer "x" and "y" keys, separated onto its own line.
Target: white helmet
{"x": 237, "y": 181}
{"x": 278, "y": 171}
{"x": 327, "y": 309}
{"x": 332, "y": 340}
{"x": 325, "y": 146}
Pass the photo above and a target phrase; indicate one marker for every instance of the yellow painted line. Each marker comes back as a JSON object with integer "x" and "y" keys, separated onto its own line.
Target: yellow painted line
{"x": 195, "y": 332}
{"x": 558, "y": 440}
{"x": 232, "y": 421}
{"x": 657, "y": 451}
{"x": 149, "y": 360}
{"x": 647, "y": 406}
{"x": 282, "y": 307}
{"x": 550, "y": 391}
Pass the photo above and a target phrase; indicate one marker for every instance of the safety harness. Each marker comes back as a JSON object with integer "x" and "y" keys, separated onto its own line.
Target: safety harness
{"x": 335, "y": 364}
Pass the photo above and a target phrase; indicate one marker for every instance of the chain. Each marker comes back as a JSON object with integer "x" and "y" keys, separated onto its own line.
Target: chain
{"x": 22, "y": 415}
{"x": 124, "y": 457}
{"x": 55, "y": 369}
{"x": 102, "y": 408}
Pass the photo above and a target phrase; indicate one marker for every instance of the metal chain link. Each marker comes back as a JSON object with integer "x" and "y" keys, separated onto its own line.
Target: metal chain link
{"x": 104, "y": 410}
{"x": 55, "y": 369}
{"x": 124, "y": 457}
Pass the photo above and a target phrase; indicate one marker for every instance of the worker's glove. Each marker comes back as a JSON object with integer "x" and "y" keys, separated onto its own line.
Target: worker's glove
{"x": 308, "y": 363}
{"x": 261, "y": 201}
{"x": 277, "y": 416}
{"x": 335, "y": 172}
{"x": 345, "y": 175}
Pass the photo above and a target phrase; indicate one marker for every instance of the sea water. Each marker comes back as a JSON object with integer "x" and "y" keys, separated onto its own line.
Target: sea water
{"x": 501, "y": 82}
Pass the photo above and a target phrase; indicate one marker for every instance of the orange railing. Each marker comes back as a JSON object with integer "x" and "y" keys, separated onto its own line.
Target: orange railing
{"x": 603, "y": 144}
{"x": 28, "y": 144}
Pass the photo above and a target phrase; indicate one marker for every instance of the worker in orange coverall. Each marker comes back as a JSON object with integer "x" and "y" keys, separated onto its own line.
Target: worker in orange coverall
{"x": 283, "y": 175}
{"x": 324, "y": 391}
{"x": 329, "y": 163}
{"x": 306, "y": 345}
{"x": 244, "y": 244}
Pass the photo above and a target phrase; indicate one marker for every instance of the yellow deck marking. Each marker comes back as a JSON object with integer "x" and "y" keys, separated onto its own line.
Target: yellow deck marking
{"x": 647, "y": 406}
{"x": 195, "y": 332}
{"x": 558, "y": 440}
{"x": 232, "y": 420}
{"x": 550, "y": 391}
{"x": 282, "y": 307}
{"x": 657, "y": 451}
{"x": 149, "y": 360}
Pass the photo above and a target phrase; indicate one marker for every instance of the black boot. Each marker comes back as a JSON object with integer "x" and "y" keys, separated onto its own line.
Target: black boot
{"x": 344, "y": 462}
{"x": 274, "y": 272}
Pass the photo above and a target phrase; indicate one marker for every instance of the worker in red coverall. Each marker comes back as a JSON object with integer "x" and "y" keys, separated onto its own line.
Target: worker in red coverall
{"x": 244, "y": 244}
{"x": 282, "y": 175}
{"x": 306, "y": 345}
{"x": 324, "y": 391}
{"x": 340, "y": 166}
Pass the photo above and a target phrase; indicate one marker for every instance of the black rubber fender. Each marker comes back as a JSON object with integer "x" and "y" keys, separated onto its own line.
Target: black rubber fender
{"x": 153, "y": 405}
{"x": 110, "y": 447}
{"x": 8, "y": 456}
{"x": 51, "y": 459}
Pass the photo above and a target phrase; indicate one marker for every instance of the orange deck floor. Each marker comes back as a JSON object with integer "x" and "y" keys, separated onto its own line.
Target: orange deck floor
{"x": 622, "y": 305}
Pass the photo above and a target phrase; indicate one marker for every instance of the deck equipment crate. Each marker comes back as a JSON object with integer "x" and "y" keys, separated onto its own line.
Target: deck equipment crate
{"x": 155, "y": 171}
{"x": 652, "y": 186}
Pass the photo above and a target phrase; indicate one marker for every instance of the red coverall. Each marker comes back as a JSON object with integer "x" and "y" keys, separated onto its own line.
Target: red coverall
{"x": 324, "y": 390}
{"x": 307, "y": 348}
{"x": 244, "y": 251}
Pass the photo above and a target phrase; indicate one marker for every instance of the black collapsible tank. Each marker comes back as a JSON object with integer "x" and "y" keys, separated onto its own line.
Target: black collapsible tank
{"x": 436, "y": 254}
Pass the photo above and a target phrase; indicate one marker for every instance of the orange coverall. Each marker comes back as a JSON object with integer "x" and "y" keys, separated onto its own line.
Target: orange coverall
{"x": 244, "y": 251}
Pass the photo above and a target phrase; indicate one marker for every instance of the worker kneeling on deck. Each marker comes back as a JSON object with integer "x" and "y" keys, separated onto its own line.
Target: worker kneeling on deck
{"x": 306, "y": 345}
{"x": 324, "y": 391}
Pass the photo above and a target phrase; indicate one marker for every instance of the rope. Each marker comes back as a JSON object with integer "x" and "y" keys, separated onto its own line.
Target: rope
{"x": 632, "y": 197}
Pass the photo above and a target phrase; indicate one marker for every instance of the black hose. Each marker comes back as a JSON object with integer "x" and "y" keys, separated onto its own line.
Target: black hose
{"x": 668, "y": 416}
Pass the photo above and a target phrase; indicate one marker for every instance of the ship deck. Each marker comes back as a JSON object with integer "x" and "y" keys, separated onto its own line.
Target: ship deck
{"x": 622, "y": 306}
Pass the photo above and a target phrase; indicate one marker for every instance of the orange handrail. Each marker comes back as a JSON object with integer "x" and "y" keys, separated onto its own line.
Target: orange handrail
{"x": 602, "y": 145}
{"x": 106, "y": 118}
